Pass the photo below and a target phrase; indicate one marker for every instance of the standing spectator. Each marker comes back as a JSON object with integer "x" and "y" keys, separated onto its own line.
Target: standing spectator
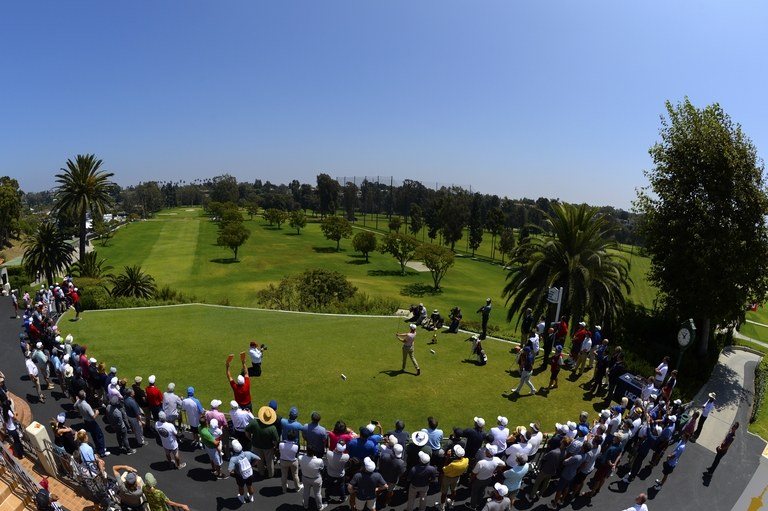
{"x": 288, "y": 449}
{"x": 129, "y": 488}
{"x": 669, "y": 386}
{"x": 421, "y": 476}
{"x": 210, "y": 436}
{"x": 241, "y": 386}
{"x": 315, "y": 435}
{"x": 661, "y": 372}
{"x": 483, "y": 474}
{"x": 155, "y": 498}
{"x": 154, "y": 398}
{"x": 12, "y": 429}
{"x": 671, "y": 462}
{"x": 498, "y": 500}
{"x": 500, "y": 433}
{"x": 34, "y": 375}
{"x": 241, "y": 466}
{"x": 456, "y": 465}
{"x": 513, "y": 478}
{"x": 169, "y": 440}
{"x": 616, "y": 371}
{"x": 601, "y": 366}
{"x": 709, "y": 405}
{"x": 526, "y": 324}
{"x": 15, "y": 302}
{"x": 567, "y": 475}
{"x": 135, "y": 416}
{"x": 549, "y": 343}
{"x": 194, "y": 410}
{"x": 555, "y": 364}
{"x": 336, "y": 466}
{"x": 723, "y": 448}
{"x": 312, "y": 479}
{"x": 292, "y": 424}
{"x": 485, "y": 312}
{"x": 117, "y": 418}
{"x": 264, "y": 439}
{"x": 74, "y": 295}
{"x": 475, "y": 437}
{"x": 94, "y": 464}
{"x": 581, "y": 357}
{"x": 172, "y": 405}
{"x": 548, "y": 468}
{"x": 365, "y": 485}
{"x": 91, "y": 426}
{"x": 256, "y": 353}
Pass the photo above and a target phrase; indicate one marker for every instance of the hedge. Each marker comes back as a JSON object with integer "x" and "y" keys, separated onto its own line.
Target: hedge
{"x": 761, "y": 387}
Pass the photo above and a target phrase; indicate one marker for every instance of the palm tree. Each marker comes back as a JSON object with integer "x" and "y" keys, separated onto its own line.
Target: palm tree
{"x": 134, "y": 282}
{"x": 47, "y": 252}
{"x": 91, "y": 266}
{"x": 83, "y": 188}
{"x": 576, "y": 254}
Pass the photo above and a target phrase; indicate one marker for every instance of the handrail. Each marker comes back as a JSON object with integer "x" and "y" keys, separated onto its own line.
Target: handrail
{"x": 20, "y": 476}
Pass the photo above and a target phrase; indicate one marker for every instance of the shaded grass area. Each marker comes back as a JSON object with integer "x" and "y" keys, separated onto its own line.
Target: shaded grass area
{"x": 305, "y": 359}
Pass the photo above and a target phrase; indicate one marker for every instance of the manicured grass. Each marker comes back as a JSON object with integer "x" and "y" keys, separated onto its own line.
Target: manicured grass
{"x": 307, "y": 355}
{"x": 178, "y": 249}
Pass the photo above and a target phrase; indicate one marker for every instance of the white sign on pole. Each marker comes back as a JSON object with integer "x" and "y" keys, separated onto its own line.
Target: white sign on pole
{"x": 553, "y": 295}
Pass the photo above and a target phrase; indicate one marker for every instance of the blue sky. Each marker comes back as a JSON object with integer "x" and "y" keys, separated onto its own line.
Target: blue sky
{"x": 554, "y": 99}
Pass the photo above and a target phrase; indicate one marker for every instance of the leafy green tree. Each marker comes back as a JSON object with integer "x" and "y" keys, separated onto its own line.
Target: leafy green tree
{"x": 417, "y": 219}
{"x": 576, "y": 253}
{"x": 83, "y": 188}
{"x": 334, "y": 228}
{"x": 47, "y": 252}
{"x": 401, "y": 246}
{"x": 704, "y": 218}
{"x": 318, "y": 288}
{"x": 91, "y": 266}
{"x": 506, "y": 243}
{"x": 475, "y": 223}
{"x": 297, "y": 220}
{"x": 437, "y": 258}
{"x": 364, "y": 242}
{"x": 350, "y": 194}
{"x": 328, "y": 194}
{"x": 252, "y": 208}
{"x": 232, "y": 235}
{"x": 395, "y": 223}
{"x": 10, "y": 211}
{"x": 102, "y": 230}
{"x": 275, "y": 216}
{"x": 454, "y": 214}
{"x": 224, "y": 189}
{"x": 495, "y": 223}
{"x": 133, "y": 282}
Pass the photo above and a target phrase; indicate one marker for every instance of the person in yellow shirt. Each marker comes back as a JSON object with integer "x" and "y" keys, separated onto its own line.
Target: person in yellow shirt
{"x": 455, "y": 466}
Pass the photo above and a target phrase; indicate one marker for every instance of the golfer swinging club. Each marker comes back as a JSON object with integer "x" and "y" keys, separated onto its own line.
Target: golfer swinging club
{"x": 408, "y": 338}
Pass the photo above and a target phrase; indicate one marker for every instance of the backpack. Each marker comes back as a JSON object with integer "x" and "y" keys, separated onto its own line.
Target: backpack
{"x": 244, "y": 467}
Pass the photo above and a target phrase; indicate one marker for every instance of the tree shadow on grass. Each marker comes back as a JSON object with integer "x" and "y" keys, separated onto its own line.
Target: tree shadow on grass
{"x": 324, "y": 250}
{"x": 357, "y": 259}
{"x": 390, "y": 273}
{"x": 289, "y": 233}
{"x": 418, "y": 289}
{"x": 225, "y": 260}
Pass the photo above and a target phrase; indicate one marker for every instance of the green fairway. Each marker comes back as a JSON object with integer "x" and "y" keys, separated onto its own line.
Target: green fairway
{"x": 178, "y": 249}
{"x": 308, "y": 353}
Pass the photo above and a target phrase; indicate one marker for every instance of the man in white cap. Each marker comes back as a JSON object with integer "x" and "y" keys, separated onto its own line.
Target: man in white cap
{"x": 154, "y": 398}
{"x": 168, "y": 438}
{"x": 500, "y": 433}
{"x": 34, "y": 375}
{"x": 408, "y": 339}
{"x": 499, "y": 500}
{"x": 172, "y": 405}
{"x": 456, "y": 465}
{"x": 241, "y": 466}
{"x": 392, "y": 467}
{"x": 709, "y": 405}
{"x": 312, "y": 480}
{"x": 365, "y": 485}
{"x": 475, "y": 437}
{"x": 483, "y": 474}
{"x": 421, "y": 476}
{"x": 336, "y": 466}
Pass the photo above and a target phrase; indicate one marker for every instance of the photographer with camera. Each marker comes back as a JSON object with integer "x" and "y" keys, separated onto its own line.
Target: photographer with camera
{"x": 455, "y": 317}
{"x": 256, "y": 352}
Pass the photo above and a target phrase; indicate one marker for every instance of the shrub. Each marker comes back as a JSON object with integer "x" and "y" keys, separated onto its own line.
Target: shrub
{"x": 761, "y": 387}
{"x": 17, "y": 277}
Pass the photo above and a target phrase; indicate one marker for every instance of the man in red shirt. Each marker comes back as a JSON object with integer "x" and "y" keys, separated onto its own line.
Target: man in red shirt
{"x": 242, "y": 385}
{"x": 154, "y": 398}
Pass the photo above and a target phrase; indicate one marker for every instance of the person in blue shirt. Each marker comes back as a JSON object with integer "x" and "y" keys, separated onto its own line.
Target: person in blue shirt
{"x": 291, "y": 424}
{"x": 362, "y": 446}
{"x": 671, "y": 462}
